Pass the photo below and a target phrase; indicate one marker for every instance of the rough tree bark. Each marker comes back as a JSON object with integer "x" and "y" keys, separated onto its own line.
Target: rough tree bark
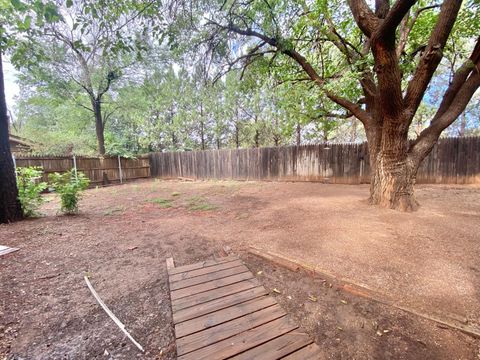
{"x": 10, "y": 209}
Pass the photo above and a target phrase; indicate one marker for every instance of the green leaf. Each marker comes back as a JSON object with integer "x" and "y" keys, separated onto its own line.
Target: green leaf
{"x": 51, "y": 13}
{"x": 19, "y": 5}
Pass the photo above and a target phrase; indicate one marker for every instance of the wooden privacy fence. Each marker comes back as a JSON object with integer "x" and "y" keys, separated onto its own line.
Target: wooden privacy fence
{"x": 452, "y": 161}
{"x": 100, "y": 171}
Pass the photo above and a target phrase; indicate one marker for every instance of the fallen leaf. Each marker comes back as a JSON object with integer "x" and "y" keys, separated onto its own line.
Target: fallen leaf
{"x": 339, "y": 328}
{"x": 289, "y": 297}
{"x": 379, "y": 333}
{"x": 275, "y": 290}
{"x": 312, "y": 298}
{"x": 386, "y": 331}
{"x": 259, "y": 272}
{"x": 132, "y": 248}
{"x": 344, "y": 302}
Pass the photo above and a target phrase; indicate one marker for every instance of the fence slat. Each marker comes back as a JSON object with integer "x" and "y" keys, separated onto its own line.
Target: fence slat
{"x": 452, "y": 161}
{"x": 100, "y": 171}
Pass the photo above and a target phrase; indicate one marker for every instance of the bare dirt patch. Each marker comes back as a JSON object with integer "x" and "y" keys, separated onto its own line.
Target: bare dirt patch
{"x": 123, "y": 235}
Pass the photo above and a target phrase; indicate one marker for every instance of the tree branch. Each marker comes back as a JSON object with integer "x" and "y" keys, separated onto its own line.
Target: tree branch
{"x": 456, "y": 98}
{"x": 355, "y": 109}
{"x": 428, "y": 137}
{"x": 459, "y": 79}
{"x": 110, "y": 77}
{"x": 302, "y": 61}
{"x": 405, "y": 32}
{"x": 387, "y": 28}
{"x": 432, "y": 55}
{"x": 381, "y": 8}
{"x": 364, "y": 16}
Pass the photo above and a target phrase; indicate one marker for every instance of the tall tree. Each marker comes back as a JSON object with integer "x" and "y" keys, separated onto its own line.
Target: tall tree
{"x": 375, "y": 63}
{"x": 93, "y": 47}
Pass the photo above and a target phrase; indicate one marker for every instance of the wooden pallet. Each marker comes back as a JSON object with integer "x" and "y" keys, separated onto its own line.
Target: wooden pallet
{"x": 221, "y": 311}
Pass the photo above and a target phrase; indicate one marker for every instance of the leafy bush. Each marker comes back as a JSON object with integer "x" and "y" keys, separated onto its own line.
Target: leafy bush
{"x": 30, "y": 188}
{"x": 69, "y": 187}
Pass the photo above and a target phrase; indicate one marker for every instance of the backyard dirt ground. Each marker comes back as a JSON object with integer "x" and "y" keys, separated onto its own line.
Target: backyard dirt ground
{"x": 427, "y": 260}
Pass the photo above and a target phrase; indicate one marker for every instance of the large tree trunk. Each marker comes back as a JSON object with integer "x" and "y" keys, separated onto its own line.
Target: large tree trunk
{"x": 99, "y": 127}
{"x": 10, "y": 209}
{"x": 393, "y": 172}
{"x": 393, "y": 180}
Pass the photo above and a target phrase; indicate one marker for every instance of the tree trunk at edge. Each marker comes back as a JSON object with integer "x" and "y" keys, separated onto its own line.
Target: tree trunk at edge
{"x": 10, "y": 209}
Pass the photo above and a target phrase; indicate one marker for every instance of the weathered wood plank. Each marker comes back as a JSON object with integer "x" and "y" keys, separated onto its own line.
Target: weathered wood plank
{"x": 214, "y": 305}
{"x": 208, "y": 277}
{"x": 277, "y": 348}
{"x": 242, "y": 342}
{"x": 203, "y": 271}
{"x": 213, "y": 294}
{"x": 196, "y": 289}
{"x": 224, "y": 315}
{"x": 170, "y": 264}
{"x": 215, "y": 334}
{"x": 204, "y": 264}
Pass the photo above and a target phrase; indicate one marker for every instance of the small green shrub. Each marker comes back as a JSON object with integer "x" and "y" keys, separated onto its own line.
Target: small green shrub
{"x": 29, "y": 189}
{"x": 164, "y": 203}
{"x": 197, "y": 203}
{"x": 69, "y": 188}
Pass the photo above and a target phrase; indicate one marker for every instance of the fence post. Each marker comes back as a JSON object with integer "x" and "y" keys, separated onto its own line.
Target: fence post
{"x": 120, "y": 169}
{"x": 75, "y": 167}
{"x": 14, "y": 165}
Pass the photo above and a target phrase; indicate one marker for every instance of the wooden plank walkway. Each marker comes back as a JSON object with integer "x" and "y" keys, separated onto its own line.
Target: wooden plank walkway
{"x": 221, "y": 311}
